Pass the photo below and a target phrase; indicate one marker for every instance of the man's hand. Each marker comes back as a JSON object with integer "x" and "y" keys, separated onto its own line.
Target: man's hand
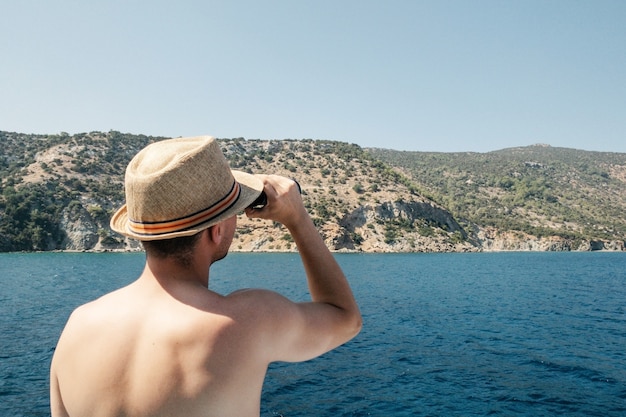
{"x": 284, "y": 202}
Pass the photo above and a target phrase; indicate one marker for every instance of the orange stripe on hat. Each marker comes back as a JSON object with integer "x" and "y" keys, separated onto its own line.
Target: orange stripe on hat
{"x": 187, "y": 222}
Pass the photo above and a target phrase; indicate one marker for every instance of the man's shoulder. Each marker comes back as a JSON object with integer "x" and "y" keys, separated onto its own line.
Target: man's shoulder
{"x": 106, "y": 305}
{"x": 260, "y": 305}
{"x": 255, "y": 296}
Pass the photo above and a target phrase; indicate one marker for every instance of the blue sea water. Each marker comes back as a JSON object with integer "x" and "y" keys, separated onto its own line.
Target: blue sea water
{"x": 503, "y": 334}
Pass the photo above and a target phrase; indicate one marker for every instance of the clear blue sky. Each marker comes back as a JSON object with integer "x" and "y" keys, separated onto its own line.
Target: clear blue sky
{"x": 407, "y": 75}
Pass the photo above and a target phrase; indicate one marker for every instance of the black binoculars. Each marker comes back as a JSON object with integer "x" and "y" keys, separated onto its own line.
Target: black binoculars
{"x": 261, "y": 200}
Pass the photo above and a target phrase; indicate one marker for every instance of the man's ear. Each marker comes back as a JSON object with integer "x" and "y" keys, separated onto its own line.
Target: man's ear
{"x": 215, "y": 233}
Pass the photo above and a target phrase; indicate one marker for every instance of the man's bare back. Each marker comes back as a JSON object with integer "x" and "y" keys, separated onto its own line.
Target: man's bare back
{"x": 140, "y": 351}
{"x": 166, "y": 345}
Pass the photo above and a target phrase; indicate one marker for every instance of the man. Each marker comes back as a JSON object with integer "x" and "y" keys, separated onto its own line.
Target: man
{"x": 166, "y": 345}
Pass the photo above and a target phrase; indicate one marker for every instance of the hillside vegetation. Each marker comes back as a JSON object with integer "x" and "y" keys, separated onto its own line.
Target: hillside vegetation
{"x": 59, "y": 191}
{"x": 537, "y": 190}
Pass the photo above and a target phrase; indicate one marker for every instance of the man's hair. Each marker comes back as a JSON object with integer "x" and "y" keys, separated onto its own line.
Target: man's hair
{"x": 180, "y": 249}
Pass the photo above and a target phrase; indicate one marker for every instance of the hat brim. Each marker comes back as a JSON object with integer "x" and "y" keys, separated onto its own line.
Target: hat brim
{"x": 250, "y": 186}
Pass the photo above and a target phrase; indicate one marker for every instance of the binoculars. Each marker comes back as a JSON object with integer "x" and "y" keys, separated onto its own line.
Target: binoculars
{"x": 261, "y": 200}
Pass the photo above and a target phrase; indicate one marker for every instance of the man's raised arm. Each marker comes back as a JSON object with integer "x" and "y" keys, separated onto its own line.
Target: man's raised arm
{"x": 333, "y": 317}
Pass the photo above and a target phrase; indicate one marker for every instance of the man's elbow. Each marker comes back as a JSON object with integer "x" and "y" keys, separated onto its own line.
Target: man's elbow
{"x": 353, "y": 325}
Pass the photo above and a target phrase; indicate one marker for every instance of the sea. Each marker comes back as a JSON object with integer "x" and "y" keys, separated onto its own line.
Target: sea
{"x": 476, "y": 334}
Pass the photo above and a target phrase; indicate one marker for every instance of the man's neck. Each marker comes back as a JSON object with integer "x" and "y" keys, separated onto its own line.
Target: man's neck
{"x": 170, "y": 273}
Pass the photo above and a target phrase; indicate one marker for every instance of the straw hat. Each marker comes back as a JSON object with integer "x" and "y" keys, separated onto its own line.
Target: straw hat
{"x": 178, "y": 187}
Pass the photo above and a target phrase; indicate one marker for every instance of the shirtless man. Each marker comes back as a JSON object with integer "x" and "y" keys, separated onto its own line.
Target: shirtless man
{"x": 166, "y": 345}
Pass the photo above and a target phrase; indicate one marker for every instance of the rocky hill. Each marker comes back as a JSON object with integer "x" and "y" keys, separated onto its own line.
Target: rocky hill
{"x": 59, "y": 191}
{"x": 531, "y": 198}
